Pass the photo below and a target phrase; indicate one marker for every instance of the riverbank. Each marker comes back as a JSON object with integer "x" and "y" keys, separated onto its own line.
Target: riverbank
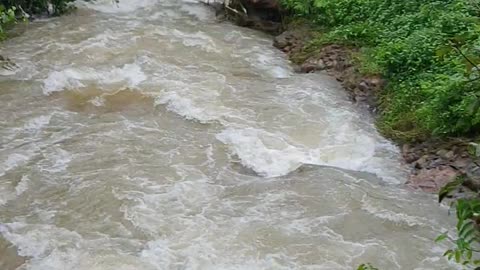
{"x": 434, "y": 160}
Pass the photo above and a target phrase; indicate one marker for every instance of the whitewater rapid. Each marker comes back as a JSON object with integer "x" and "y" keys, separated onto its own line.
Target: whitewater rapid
{"x": 147, "y": 135}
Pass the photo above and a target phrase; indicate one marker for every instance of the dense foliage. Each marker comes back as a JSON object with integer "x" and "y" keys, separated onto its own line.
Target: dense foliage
{"x": 467, "y": 239}
{"x": 11, "y": 10}
{"x": 7, "y": 17}
{"x": 51, "y": 7}
{"x": 427, "y": 50}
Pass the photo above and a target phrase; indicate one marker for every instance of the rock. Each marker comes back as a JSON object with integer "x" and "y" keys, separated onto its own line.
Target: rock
{"x": 307, "y": 67}
{"x": 441, "y": 152}
{"x": 281, "y": 41}
{"x": 432, "y": 180}
{"x": 375, "y": 82}
{"x": 461, "y": 164}
{"x": 438, "y": 162}
{"x": 363, "y": 86}
{"x": 312, "y": 65}
{"x": 472, "y": 171}
{"x": 449, "y": 155}
{"x": 359, "y": 95}
{"x": 422, "y": 162}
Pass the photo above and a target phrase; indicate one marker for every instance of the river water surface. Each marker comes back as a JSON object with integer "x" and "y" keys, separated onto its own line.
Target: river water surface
{"x": 146, "y": 135}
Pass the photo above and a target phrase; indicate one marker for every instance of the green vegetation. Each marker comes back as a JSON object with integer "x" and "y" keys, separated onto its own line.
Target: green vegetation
{"x": 468, "y": 234}
{"x": 7, "y": 17}
{"x": 427, "y": 50}
{"x": 366, "y": 266}
{"x": 11, "y": 10}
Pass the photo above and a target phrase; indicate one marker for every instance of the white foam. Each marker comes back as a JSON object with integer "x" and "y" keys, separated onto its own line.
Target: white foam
{"x": 272, "y": 155}
{"x": 201, "y": 12}
{"x": 386, "y": 214}
{"x": 198, "y": 39}
{"x": 22, "y": 186}
{"x": 15, "y": 160}
{"x": 37, "y": 123}
{"x": 191, "y": 109}
{"x": 37, "y": 240}
{"x": 265, "y": 153}
{"x": 112, "y": 6}
{"x": 74, "y": 78}
{"x": 200, "y": 101}
{"x": 56, "y": 160}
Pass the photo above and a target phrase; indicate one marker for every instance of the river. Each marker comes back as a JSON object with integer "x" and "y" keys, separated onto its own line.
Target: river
{"x": 146, "y": 135}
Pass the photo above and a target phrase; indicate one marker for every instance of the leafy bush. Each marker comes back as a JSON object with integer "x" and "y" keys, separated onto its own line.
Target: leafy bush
{"x": 58, "y": 7}
{"x": 7, "y": 16}
{"x": 427, "y": 50}
{"x": 10, "y": 10}
{"x": 468, "y": 233}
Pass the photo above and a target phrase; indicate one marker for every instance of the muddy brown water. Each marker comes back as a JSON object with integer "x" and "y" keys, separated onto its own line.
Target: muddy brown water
{"x": 146, "y": 135}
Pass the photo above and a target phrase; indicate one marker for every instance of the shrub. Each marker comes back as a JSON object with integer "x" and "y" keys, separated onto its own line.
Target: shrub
{"x": 10, "y": 10}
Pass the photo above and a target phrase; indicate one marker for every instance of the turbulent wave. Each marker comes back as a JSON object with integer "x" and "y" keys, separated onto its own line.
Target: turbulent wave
{"x": 144, "y": 135}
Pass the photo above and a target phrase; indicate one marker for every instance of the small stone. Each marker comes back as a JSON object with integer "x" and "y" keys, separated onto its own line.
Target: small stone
{"x": 307, "y": 67}
{"x": 449, "y": 155}
{"x": 363, "y": 86}
{"x": 375, "y": 82}
{"x": 284, "y": 39}
{"x": 436, "y": 162}
{"x": 410, "y": 157}
{"x": 422, "y": 162}
{"x": 441, "y": 152}
{"x": 461, "y": 164}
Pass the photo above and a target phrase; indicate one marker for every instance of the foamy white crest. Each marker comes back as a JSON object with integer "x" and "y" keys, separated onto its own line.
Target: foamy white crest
{"x": 265, "y": 60}
{"x": 37, "y": 240}
{"x": 22, "y": 186}
{"x": 14, "y": 160}
{"x": 188, "y": 108}
{"x": 272, "y": 155}
{"x": 56, "y": 160}
{"x": 196, "y": 101}
{"x": 385, "y": 214}
{"x": 37, "y": 123}
{"x": 198, "y": 39}
{"x": 267, "y": 154}
{"x": 201, "y": 12}
{"x": 72, "y": 78}
{"x": 111, "y": 6}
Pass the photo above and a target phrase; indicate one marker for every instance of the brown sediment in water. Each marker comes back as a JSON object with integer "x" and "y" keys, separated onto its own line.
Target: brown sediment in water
{"x": 9, "y": 258}
{"x": 96, "y": 100}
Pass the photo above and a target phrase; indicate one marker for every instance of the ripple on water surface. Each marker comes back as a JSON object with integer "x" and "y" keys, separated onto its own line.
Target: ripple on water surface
{"x": 144, "y": 135}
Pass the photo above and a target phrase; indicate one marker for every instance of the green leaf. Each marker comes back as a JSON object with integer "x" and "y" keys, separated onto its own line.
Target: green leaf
{"x": 448, "y": 252}
{"x": 441, "y": 237}
{"x": 366, "y": 266}
{"x": 458, "y": 255}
